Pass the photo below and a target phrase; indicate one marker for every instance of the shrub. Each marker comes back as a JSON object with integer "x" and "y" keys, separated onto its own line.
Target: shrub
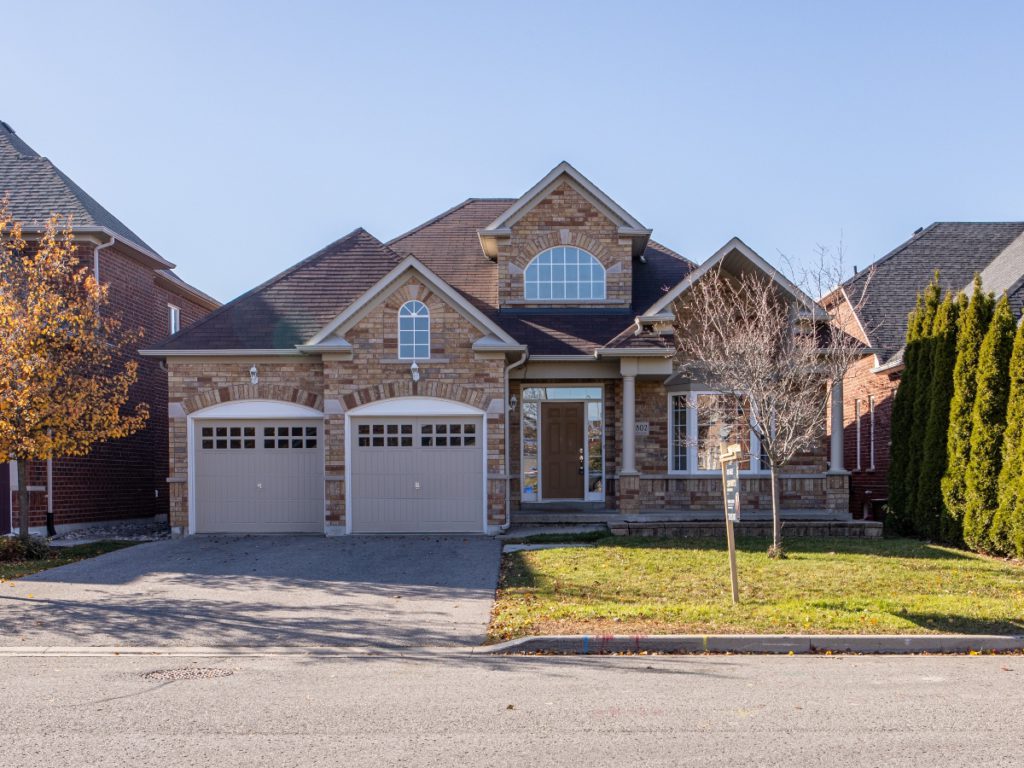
{"x": 1004, "y": 523}
{"x": 14, "y": 549}
{"x": 928, "y": 510}
{"x": 988, "y": 422}
{"x": 974, "y": 321}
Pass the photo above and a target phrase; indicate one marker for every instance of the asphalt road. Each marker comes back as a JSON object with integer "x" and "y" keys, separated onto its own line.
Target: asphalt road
{"x": 460, "y": 710}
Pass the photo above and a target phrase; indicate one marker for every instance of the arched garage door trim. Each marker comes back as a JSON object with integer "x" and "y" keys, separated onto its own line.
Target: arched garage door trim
{"x": 416, "y": 407}
{"x": 236, "y": 409}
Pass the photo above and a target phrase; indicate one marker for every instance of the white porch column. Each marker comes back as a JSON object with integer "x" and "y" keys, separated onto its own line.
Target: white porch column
{"x": 628, "y": 422}
{"x": 837, "y": 463}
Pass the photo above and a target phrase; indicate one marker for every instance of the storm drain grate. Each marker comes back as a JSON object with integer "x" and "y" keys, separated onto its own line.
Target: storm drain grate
{"x": 187, "y": 673}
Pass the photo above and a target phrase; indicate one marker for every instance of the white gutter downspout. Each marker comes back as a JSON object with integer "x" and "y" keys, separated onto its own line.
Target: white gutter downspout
{"x": 508, "y": 468}
{"x": 96, "y": 257}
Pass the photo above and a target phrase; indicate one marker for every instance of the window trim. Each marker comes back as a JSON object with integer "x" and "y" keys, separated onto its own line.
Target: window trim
{"x": 174, "y": 318}
{"x": 413, "y": 331}
{"x": 566, "y": 300}
{"x": 756, "y": 467}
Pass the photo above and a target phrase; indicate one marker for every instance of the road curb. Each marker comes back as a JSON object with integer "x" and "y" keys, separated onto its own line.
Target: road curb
{"x": 757, "y": 644}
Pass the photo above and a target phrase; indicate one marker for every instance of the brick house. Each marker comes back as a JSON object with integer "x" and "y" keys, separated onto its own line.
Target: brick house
{"x": 507, "y": 356}
{"x": 125, "y": 478}
{"x": 880, "y": 299}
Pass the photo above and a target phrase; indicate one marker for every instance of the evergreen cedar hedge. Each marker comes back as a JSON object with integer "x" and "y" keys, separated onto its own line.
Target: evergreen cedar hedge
{"x": 958, "y": 424}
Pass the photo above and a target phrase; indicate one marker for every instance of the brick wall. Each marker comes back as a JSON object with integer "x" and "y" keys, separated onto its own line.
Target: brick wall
{"x": 123, "y": 478}
{"x": 868, "y": 484}
{"x": 565, "y": 217}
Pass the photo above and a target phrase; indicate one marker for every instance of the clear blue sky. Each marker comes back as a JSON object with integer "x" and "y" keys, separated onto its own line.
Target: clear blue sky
{"x": 238, "y": 138}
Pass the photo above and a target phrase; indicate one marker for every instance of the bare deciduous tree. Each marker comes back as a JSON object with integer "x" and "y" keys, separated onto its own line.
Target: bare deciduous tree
{"x": 773, "y": 351}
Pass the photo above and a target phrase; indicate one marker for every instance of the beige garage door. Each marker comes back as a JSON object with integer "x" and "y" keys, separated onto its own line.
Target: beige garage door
{"x": 417, "y": 475}
{"x": 259, "y": 476}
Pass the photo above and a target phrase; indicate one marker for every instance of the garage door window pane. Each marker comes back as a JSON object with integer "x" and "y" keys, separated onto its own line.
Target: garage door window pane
{"x": 222, "y": 443}
{"x": 222, "y": 431}
{"x": 208, "y": 443}
{"x": 207, "y": 431}
{"x": 268, "y": 443}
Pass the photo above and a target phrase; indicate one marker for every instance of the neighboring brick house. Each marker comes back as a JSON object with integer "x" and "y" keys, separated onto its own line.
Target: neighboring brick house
{"x": 507, "y": 355}
{"x": 125, "y": 478}
{"x": 883, "y": 296}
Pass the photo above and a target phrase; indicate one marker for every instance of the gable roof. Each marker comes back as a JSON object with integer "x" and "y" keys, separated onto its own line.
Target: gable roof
{"x": 448, "y": 245}
{"x": 379, "y": 289}
{"x": 957, "y": 250}
{"x": 38, "y": 189}
{"x": 291, "y": 307}
{"x": 627, "y": 224}
{"x": 733, "y": 251}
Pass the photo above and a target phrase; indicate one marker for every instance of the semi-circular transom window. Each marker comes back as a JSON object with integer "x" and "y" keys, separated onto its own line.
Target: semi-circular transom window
{"x": 564, "y": 272}
{"x": 413, "y": 331}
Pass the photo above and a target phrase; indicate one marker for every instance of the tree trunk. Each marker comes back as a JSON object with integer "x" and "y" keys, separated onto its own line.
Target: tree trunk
{"x": 776, "y": 548}
{"x": 23, "y": 499}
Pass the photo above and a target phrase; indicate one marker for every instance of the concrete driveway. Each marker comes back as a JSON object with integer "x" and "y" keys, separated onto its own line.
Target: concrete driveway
{"x": 387, "y": 592}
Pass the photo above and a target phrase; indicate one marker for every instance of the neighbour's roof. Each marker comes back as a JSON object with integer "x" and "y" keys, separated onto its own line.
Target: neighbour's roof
{"x": 957, "y": 250}
{"x": 289, "y": 309}
{"x": 38, "y": 189}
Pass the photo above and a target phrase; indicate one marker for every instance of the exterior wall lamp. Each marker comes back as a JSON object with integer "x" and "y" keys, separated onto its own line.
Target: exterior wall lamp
{"x": 414, "y": 371}
{"x": 254, "y": 374}
{"x": 513, "y": 402}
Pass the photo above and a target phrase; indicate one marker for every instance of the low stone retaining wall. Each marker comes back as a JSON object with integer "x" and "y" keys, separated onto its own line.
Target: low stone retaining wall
{"x": 858, "y": 529}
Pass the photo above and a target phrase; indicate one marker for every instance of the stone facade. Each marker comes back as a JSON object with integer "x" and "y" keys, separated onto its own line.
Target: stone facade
{"x": 565, "y": 217}
{"x": 339, "y": 382}
{"x": 805, "y": 485}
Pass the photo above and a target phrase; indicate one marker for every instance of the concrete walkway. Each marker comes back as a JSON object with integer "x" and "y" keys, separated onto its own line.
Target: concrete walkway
{"x": 384, "y": 592}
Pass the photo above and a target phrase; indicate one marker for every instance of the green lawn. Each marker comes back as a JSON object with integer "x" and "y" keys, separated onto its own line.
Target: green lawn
{"x": 839, "y": 586}
{"x": 59, "y": 556}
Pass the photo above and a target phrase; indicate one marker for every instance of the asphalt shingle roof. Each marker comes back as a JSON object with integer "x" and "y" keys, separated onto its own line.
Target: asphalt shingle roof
{"x": 291, "y": 307}
{"x": 957, "y": 250}
{"x": 37, "y": 189}
{"x": 448, "y": 245}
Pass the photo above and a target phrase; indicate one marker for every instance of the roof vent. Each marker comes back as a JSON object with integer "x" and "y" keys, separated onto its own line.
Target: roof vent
{"x": 919, "y": 230}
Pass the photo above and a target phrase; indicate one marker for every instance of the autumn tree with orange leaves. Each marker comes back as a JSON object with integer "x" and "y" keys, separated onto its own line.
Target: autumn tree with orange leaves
{"x": 65, "y": 370}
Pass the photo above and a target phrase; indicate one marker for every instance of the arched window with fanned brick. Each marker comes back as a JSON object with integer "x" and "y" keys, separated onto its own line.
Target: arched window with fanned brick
{"x": 564, "y": 273}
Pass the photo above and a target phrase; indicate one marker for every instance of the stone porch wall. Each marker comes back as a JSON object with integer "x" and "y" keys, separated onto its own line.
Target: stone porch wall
{"x": 804, "y": 486}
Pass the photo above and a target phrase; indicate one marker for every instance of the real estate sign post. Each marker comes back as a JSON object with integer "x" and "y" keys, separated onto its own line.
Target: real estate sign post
{"x": 730, "y": 459}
